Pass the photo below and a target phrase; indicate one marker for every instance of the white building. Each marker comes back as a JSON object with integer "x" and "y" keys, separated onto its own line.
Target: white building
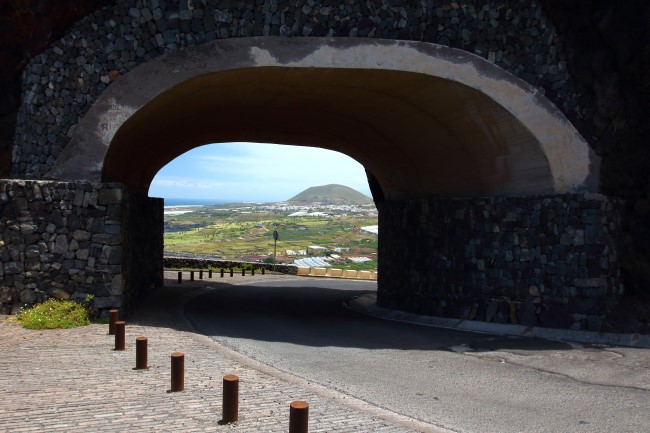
{"x": 370, "y": 229}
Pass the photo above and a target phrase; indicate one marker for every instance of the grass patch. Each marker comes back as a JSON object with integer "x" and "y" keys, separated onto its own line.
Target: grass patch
{"x": 365, "y": 266}
{"x": 237, "y": 235}
{"x": 54, "y": 314}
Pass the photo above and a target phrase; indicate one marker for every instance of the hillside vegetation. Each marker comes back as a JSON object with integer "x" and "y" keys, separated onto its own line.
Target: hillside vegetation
{"x": 244, "y": 231}
{"x": 332, "y": 194}
{"x": 239, "y": 236}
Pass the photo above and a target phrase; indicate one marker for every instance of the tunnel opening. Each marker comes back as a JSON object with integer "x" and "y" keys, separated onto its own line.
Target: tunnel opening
{"x": 417, "y": 136}
{"x": 223, "y": 202}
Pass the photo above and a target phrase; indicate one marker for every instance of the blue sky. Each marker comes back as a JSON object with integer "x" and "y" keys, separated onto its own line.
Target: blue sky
{"x": 255, "y": 172}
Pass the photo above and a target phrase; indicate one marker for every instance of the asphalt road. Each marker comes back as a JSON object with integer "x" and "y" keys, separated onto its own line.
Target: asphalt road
{"x": 466, "y": 382}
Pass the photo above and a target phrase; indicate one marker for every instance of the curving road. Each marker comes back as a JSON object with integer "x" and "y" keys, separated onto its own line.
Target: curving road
{"x": 466, "y": 382}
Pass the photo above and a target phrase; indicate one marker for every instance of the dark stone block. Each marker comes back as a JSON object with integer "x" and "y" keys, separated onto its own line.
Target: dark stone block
{"x": 114, "y": 229}
{"x": 114, "y": 255}
{"x": 527, "y": 314}
{"x": 37, "y": 206}
{"x": 57, "y": 219}
{"x": 503, "y": 313}
{"x": 114, "y": 211}
{"x": 594, "y": 234}
{"x": 107, "y": 239}
{"x": 594, "y": 292}
{"x": 98, "y": 225}
{"x": 555, "y": 316}
{"x": 594, "y": 323}
{"x": 74, "y": 222}
{"x": 109, "y": 269}
{"x": 185, "y": 26}
{"x": 33, "y": 238}
{"x": 100, "y": 289}
{"x": 585, "y": 305}
{"x": 19, "y": 204}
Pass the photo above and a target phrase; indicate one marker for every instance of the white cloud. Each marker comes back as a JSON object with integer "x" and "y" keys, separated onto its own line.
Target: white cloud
{"x": 255, "y": 171}
{"x": 273, "y": 160}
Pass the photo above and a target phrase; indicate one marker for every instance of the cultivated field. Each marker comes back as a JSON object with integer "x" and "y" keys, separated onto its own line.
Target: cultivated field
{"x": 246, "y": 233}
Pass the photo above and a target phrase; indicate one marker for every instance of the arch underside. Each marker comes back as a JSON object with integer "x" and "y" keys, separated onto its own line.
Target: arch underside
{"x": 424, "y": 120}
{"x": 420, "y": 136}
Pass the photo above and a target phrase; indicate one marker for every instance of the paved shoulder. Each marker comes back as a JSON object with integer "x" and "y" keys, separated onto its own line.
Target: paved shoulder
{"x": 72, "y": 381}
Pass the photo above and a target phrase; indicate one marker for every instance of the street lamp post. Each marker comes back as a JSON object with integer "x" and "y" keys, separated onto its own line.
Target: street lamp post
{"x": 275, "y": 245}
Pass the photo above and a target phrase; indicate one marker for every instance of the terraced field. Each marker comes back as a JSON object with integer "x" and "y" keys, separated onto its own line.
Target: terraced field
{"x": 238, "y": 234}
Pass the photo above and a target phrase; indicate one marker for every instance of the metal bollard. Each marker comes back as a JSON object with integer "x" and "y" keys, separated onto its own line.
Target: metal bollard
{"x": 120, "y": 342}
{"x": 112, "y": 318}
{"x": 263, "y": 271}
{"x": 141, "y": 353}
{"x": 209, "y": 273}
{"x": 191, "y": 275}
{"x": 180, "y": 277}
{"x": 252, "y": 271}
{"x": 201, "y": 274}
{"x": 243, "y": 272}
{"x": 298, "y": 417}
{"x": 231, "y": 272}
{"x": 230, "y": 406}
{"x": 221, "y": 272}
{"x": 178, "y": 371}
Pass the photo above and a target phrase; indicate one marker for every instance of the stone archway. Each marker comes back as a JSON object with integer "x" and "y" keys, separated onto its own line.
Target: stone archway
{"x": 426, "y": 120}
{"x": 482, "y": 184}
{"x": 458, "y": 126}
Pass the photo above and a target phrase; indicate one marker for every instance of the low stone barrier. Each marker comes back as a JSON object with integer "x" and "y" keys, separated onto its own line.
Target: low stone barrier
{"x": 318, "y": 272}
{"x": 363, "y": 275}
{"x": 170, "y": 262}
{"x": 335, "y": 273}
{"x": 303, "y": 271}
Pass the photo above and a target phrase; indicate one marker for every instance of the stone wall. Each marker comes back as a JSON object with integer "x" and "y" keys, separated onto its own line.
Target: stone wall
{"x": 608, "y": 47}
{"x": 28, "y": 28}
{"x": 550, "y": 261}
{"x": 61, "y": 83}
{"x": 61, "y": 240}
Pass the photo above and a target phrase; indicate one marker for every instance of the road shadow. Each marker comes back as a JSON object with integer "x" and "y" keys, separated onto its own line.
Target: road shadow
{"x": 308, "y": 312}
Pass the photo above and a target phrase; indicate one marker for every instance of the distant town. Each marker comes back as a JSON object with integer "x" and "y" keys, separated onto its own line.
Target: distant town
{"x": 332, "y": 232}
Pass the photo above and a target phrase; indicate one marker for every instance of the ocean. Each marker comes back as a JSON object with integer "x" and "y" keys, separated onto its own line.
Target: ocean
{"x": 194, "y": 201}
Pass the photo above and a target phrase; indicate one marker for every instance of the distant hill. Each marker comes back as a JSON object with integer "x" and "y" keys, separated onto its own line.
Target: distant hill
{"x": 330, "y": 194}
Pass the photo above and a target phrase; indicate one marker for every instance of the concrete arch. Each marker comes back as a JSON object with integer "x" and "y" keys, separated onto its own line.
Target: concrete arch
{"x": 426, "y": 120}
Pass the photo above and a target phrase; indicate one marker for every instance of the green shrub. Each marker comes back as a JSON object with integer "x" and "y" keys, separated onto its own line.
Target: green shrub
{"x": 53, "y": 314}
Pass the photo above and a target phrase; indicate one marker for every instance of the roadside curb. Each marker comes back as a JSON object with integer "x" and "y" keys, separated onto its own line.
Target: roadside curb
{"x": 367, "y": 304}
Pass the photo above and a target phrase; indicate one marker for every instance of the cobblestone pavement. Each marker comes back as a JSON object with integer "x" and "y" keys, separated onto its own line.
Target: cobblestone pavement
{"x": 73, "y": 381}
